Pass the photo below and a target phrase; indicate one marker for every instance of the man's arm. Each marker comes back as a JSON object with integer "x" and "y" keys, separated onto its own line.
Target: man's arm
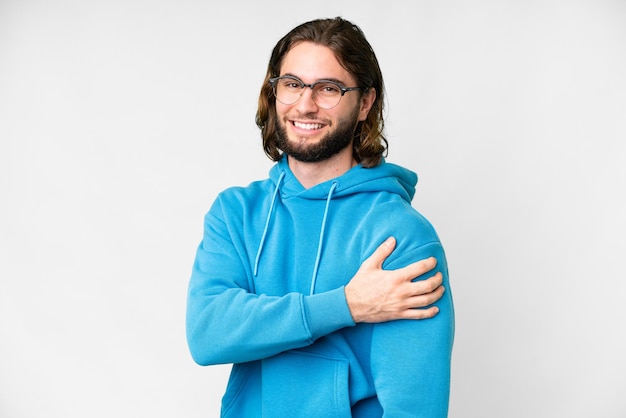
{"x": 228, "y": 323}
{"x": 411, "y": 359}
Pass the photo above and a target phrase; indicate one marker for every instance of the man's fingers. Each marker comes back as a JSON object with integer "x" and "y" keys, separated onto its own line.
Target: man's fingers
{"x": 428, "y": 285}
{"x": 382, "y": 252}
{"x": 422, "y": 299}
{"x": 418, "y": 268}
{"x": 421, "y": 313}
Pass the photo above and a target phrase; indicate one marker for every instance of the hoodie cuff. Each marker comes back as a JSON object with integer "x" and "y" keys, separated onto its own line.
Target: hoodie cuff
{"x": 327, "y": 312}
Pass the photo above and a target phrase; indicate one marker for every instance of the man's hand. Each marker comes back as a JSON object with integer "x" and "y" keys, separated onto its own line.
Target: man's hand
{"x": 377, "y": 295}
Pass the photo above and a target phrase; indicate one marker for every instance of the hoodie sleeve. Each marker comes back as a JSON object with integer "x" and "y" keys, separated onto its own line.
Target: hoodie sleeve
{"x": 228, "y": 323}
{"x": 411, "y": 359}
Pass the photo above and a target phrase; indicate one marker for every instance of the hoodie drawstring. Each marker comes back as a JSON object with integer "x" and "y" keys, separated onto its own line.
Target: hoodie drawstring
{"x": 267, "y": 223}
{"x": 318, "y": 256}
{"x": 321, "y": 239}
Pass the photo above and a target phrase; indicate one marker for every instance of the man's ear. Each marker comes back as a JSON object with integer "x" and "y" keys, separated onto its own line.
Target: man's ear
{"x": 367, "y": 101}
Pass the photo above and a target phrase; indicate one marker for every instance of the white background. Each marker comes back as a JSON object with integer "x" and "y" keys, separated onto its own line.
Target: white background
{"x": 121, "y": 120}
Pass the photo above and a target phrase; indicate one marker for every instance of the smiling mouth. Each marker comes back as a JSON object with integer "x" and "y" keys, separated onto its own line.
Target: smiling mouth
{"x": 307, "y": 126}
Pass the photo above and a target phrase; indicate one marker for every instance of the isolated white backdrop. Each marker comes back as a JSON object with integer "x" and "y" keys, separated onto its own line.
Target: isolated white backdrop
{"x": 121, "y": 120}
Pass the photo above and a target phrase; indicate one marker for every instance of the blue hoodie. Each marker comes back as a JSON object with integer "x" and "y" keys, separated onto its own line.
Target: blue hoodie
{"x": 267, "y": 294}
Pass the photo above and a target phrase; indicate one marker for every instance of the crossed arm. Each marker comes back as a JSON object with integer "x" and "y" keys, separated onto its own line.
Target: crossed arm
{"x": 223, "y": 314}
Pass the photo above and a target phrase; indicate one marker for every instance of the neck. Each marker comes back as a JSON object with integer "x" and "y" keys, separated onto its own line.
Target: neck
{"x": 312, "y": 174}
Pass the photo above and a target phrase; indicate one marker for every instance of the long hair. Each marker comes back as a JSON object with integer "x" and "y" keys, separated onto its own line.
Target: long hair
{"x": 356, "y": 55}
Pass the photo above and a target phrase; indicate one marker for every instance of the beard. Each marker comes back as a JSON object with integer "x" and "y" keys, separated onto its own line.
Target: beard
{"x": 328, "y": 146}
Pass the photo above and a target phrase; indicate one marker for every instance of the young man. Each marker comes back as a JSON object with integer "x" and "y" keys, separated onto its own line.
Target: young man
{"x": 322, "y": 284}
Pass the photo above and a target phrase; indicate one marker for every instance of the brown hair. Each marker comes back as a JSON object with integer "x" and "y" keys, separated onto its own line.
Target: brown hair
{"x": 356, "y": 55}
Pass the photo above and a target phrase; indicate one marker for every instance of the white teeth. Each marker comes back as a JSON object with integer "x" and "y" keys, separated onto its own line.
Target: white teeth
{"x": 308, "y": 126}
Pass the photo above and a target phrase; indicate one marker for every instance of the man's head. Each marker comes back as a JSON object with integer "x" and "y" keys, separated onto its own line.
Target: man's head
{"x": 312, "y": 120}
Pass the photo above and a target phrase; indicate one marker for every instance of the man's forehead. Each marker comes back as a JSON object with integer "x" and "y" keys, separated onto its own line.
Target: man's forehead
{"x": 311, "y": 62}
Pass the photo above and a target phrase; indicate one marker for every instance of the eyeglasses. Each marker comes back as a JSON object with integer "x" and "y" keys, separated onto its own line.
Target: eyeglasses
{"x": 326, "y": 93}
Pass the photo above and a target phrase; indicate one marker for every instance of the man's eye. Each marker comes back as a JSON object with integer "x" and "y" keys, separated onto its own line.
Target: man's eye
{"x": 329, "y": 89}
{"x": 292, "y": 85}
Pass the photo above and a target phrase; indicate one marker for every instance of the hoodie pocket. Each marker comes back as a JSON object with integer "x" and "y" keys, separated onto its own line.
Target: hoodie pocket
{"x": 300, "y": 384}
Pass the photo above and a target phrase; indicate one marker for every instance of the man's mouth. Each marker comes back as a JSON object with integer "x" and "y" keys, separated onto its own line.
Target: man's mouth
{"x": 307, "y": 126}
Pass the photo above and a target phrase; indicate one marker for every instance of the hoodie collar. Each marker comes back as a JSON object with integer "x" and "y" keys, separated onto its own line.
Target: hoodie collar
{"x": 384, "y": 177}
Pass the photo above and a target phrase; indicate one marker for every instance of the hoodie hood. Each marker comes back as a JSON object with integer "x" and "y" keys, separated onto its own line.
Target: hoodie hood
{"x": 384, "y": 177}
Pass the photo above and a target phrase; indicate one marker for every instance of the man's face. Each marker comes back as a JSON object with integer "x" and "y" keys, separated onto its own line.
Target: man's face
{"x": 305, "y": 131}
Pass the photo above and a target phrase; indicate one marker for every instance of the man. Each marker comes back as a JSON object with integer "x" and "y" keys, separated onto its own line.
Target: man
{"x": 322, "y": 284}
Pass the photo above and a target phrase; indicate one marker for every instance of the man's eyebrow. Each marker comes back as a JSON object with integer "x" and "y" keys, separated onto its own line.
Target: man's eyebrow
{"x": 334, "y": 80}
{"x": 289, "y": 75}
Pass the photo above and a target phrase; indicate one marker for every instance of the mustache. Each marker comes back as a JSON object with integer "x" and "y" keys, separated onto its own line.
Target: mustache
{"x": 309, "y": 117}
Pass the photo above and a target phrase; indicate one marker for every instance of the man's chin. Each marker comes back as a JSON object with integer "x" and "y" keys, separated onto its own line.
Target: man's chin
{"x": 305, "y": 156}
{"x": 314, "y": 148}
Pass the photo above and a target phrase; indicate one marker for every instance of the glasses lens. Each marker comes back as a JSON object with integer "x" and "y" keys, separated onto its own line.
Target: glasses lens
{"x": 288, "y": 90}
{"x": 326, "y": 94}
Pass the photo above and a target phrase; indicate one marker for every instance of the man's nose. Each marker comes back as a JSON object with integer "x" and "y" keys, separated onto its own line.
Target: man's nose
{"x": 306, "y": 103}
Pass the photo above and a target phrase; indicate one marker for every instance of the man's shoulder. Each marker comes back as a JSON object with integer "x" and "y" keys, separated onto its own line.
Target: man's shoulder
{"x": 395, "y": 207}
{"x": 240, "y": 199}
{"x": 399, "y": 218}
{"x": 253, "y": 190}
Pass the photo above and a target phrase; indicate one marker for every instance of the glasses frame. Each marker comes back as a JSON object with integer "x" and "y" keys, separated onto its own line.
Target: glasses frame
{"x": 274, "y": 81}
